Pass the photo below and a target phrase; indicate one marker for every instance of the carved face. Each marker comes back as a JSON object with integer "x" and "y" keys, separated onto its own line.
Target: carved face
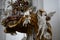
{"x": 12, "y": 24}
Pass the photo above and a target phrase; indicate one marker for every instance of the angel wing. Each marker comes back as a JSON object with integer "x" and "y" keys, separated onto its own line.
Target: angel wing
{"x": 51, "y": 14}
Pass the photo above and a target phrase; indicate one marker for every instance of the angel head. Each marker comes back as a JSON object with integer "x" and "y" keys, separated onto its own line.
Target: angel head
{"x": 43, "y": 13}
{"x": 19, "y": 5}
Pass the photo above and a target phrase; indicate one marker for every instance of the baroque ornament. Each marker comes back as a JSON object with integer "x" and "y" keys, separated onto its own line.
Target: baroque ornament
{"x": 23, "y": 19}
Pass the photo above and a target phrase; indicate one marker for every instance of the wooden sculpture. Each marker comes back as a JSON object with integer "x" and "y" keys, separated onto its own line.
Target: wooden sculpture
{"x": 24, "y": 20}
